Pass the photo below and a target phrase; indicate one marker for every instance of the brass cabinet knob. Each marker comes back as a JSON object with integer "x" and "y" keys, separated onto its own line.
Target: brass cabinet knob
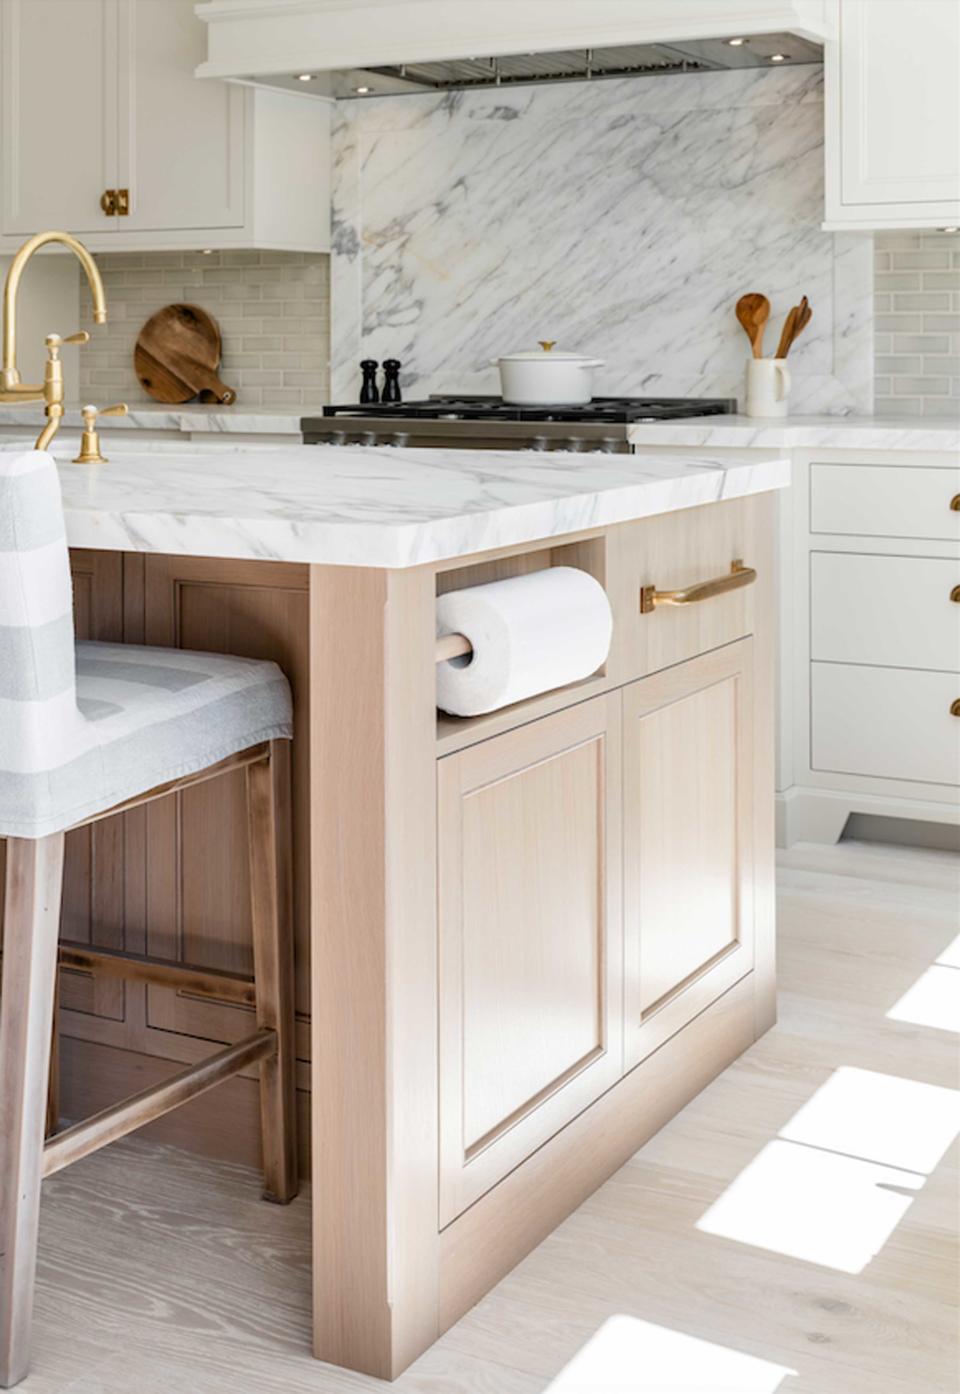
{"x": 955, "y": 504}
{"x": 108, "y": 202}
{"x": 955, "y": 707}
{"x": 90, "y": 440}
{"x": 123, "y": 203}
{"x": 955, "y": 595}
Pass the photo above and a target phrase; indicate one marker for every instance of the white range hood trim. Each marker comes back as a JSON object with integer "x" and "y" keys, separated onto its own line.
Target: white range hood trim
{"x": 265, "y": 37}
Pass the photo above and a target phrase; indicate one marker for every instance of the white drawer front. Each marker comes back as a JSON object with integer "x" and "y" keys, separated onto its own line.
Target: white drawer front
{"x": 885, "y": 501}
{"x": 888, "y": 723}
{"x": 885, "y": 610}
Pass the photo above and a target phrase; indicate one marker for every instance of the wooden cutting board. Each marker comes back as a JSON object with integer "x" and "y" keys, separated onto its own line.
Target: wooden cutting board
{"x": 177, "y": 356}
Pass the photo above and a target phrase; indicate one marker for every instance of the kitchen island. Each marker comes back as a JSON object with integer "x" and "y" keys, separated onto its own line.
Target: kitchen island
{"x": 525, "y": 939}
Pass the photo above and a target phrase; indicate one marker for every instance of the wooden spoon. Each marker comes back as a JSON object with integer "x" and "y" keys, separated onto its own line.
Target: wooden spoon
{"x": 753, "y": 311}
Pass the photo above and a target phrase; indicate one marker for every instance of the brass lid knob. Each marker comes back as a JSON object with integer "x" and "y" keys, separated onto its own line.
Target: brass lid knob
{"x": 547, "y": 344}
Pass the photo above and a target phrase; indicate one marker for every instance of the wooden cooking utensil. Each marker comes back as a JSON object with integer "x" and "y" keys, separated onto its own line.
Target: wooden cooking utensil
{"x": 788, "y": 331}
{"x": 795, "y": 323}
{"x": 177, "y": 355}
{"x": 753, "y": 311}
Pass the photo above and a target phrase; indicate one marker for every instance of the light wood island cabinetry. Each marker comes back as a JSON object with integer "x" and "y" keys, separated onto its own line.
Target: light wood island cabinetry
{"x": 524, "y": 940}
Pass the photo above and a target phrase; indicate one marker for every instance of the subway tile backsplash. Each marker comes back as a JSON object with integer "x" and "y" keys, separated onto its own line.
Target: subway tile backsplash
{"x": 917, "y": 323}
{"x": 273, "y": 309}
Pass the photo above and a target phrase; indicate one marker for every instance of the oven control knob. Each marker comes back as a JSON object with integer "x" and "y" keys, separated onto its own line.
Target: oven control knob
{"x": 538, "y": 443}
{"x": 337, "y": 438}
{"x": 573, "y": 443}
{"x": 368, "y": 438}
{"x": 609, "y": 445}
{"x": 400, "y": 438}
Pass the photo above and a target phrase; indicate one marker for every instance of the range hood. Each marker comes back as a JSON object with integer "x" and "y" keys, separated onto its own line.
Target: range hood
{"x": 361, "y": 48}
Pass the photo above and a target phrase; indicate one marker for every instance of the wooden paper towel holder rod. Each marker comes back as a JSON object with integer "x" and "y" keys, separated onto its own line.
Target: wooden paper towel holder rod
{"x": 452, "y": 646}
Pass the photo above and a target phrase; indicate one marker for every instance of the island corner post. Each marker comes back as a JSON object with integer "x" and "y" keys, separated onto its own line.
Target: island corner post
{"x": 374, "y": 966}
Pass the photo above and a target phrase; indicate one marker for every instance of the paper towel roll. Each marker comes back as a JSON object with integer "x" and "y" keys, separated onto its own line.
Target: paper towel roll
{"x": 529, "y": 634}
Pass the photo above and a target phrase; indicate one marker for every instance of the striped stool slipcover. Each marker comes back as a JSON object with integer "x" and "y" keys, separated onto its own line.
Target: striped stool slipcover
{"x": 86, "y": 730}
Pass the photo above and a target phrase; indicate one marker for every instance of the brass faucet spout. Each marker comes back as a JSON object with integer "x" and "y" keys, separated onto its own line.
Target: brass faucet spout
{"x": 51, "y": 392}
{"x": 9, "y": 377}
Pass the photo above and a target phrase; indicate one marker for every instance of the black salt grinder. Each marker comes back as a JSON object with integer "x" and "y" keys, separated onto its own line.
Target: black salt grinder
{"x": 391, "y": 380}
{"x": 368, "y": 388}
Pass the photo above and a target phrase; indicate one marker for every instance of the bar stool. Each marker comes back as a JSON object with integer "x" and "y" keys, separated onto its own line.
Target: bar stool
{"x": 88, "y": 730}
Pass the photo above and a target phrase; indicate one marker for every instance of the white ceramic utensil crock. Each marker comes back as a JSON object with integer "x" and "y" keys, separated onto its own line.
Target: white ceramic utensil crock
{"x": 544, "y": 378}
{"x": 768, "y": 387}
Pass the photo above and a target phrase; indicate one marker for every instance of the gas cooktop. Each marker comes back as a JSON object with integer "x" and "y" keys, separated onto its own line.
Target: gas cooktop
{"x": 602, "y": 409}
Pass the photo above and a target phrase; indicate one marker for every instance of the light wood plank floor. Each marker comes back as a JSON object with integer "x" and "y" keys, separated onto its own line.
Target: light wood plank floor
{"x": 161, "y": 1272}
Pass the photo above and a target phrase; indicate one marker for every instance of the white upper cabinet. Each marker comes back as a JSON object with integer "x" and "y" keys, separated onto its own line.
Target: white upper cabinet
{"x": 107, "y": 133}
{"x": 893, "y": 114}
{"x": 59, "y": 101}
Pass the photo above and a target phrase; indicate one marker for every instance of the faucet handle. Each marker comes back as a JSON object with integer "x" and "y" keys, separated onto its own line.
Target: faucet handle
{"x": 90, "y": 440}
{"x": 55, "y": 342}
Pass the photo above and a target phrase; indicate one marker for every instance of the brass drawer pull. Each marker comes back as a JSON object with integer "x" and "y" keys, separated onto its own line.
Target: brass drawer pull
{"x": 955, "y": 504}
{"x": 123, "y": 203}
{"x": 739, "y": 575}
{"x": 108, "y": 202}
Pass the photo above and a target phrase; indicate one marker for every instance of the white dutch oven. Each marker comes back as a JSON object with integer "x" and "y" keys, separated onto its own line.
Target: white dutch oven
{"x": 544, "y": 378}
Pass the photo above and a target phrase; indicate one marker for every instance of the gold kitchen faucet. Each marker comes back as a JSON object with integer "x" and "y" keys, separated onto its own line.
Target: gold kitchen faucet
{"x": 50, "y": 390}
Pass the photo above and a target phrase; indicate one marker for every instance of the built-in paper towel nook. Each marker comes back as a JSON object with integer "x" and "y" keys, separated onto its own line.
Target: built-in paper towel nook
{"x": 588, "y": 554}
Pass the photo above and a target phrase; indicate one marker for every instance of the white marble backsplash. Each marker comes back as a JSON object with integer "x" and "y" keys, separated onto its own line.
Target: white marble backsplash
{"x": 621, "y": 218}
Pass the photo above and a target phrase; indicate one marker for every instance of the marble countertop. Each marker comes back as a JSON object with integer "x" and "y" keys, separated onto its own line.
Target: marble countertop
{"x": 810, "y": 432}
{"x": 193, "y": 417}
{"x": 377, "y": 506}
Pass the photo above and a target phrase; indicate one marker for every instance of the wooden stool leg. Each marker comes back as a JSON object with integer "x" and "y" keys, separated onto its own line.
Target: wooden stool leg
{"x": 34, "y": 882}
{"x": 269, "y": 827}
{"x": 53, "y": 1088}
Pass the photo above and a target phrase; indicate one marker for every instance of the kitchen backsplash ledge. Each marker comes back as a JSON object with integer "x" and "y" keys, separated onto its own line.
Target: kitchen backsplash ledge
{"x": 273, "y": 309}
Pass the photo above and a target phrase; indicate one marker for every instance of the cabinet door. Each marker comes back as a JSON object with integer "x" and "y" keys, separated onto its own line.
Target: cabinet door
{"x": 688, "y": 842}
{"x": 530, "y": 940}
{"x": 58, "y": 75}
{"x": 181, "y": 146}
{"x": 900, "y": 105}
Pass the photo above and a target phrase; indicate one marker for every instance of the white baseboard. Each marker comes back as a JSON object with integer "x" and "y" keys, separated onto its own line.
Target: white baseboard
{"x": 819, "y": 815}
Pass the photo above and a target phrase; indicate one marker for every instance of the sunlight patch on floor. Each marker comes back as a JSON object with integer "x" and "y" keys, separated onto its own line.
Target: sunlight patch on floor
{"x": 934, "y": 1000}
{"x": 629, "y": 1356}
{"x": 837, "y": 1181}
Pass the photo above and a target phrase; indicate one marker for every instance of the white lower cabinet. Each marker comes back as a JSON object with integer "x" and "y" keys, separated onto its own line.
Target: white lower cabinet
{"x": 898, "y": 612}
{"x": 886, "y": 723}
{"x": 554, "y": 983}
{"x": 688, "y": 842}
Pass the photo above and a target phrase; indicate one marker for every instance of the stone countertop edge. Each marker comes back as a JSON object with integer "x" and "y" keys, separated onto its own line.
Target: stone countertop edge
{"x": 381, "y": 507}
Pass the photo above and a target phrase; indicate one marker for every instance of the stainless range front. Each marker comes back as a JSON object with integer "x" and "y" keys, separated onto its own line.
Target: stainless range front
{"x": 488, "y": 423}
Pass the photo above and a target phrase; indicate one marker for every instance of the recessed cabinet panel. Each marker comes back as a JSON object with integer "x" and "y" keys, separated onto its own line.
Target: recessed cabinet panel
{"x": 899, "y": 101}
{"x": 180, "y": 139}
{"x": 529, "y": 940}
{"x": 59, "y": 94}
{"x": 198, "y": 870}
{"x": 688, "y": 777}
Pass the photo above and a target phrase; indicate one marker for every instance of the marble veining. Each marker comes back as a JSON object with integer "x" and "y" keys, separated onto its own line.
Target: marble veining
{"x": 379, "y": 506}
{"x": 621, "y": 218}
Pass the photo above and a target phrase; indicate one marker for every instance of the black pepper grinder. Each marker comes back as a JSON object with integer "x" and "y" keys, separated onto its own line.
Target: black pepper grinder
{"x": 368, "y": 388}
{"x": 391, "y": 380}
